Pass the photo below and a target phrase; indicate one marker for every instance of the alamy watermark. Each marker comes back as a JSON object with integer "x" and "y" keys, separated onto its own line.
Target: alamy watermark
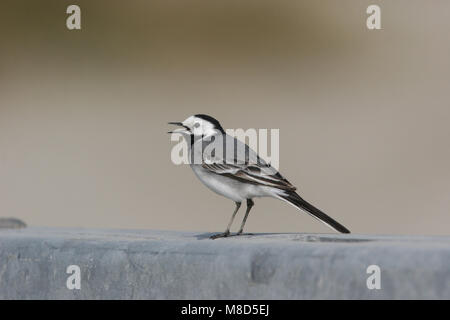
{"x": 73, "y": 281}
{"x": 225, "y": 149}
{"x": 374, "y": 280}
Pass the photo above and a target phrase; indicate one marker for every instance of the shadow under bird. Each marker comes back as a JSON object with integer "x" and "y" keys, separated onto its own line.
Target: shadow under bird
{"x": 232, "y": 169}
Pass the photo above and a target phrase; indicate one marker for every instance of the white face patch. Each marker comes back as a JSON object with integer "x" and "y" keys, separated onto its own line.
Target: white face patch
{"x": 199, "y": 126}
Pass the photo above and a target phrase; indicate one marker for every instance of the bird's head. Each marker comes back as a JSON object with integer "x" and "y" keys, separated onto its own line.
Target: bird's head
{"x": 199, "y": 125}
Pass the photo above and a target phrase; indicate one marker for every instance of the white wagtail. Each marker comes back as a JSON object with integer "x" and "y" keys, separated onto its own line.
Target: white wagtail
{"x": 232, "y": 169}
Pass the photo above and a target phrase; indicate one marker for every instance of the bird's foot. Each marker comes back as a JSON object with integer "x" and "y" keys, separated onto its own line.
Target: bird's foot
{"x": 220, "y": 235}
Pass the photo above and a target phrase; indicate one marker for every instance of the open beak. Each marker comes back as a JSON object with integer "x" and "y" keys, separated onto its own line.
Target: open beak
{"x": 180, "y": 124}
{"x": 185, "y": 129}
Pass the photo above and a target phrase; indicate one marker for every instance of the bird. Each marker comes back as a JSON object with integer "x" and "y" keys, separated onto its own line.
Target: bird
{"x": 230, "y": 168}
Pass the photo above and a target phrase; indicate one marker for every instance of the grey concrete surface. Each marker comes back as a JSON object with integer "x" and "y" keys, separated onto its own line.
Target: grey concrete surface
{"x": 129, "y": 264}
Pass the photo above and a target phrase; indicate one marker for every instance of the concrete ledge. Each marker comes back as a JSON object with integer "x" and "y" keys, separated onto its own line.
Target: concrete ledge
{"x": 118, "y": 264}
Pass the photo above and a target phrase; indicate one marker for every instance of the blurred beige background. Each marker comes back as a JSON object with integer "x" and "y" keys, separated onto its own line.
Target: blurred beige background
{"x": 363, "y": 115}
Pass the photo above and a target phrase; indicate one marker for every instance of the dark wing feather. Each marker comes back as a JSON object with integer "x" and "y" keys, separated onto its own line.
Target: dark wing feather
{"x": 256, "y": 174}
{"x": 247, "y": 168}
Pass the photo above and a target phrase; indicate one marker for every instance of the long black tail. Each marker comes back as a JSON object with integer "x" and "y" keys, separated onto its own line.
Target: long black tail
{"x": 294, "y": 199}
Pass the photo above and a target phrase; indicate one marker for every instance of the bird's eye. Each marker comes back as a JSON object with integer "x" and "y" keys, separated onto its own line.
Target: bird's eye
{"x": 196, "y": 125}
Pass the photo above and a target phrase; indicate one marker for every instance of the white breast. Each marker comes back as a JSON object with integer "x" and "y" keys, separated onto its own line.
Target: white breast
{"x": 227, "y": 187}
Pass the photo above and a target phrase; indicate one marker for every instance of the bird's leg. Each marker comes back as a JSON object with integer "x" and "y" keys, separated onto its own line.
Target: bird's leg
{"x": 227, "y": 232}
{"x": 250, "y": 204}
{"x": 238, "y": 205}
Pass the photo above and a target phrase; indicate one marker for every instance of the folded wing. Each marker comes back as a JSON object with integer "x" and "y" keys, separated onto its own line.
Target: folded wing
{"x": 251, "y": 173}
